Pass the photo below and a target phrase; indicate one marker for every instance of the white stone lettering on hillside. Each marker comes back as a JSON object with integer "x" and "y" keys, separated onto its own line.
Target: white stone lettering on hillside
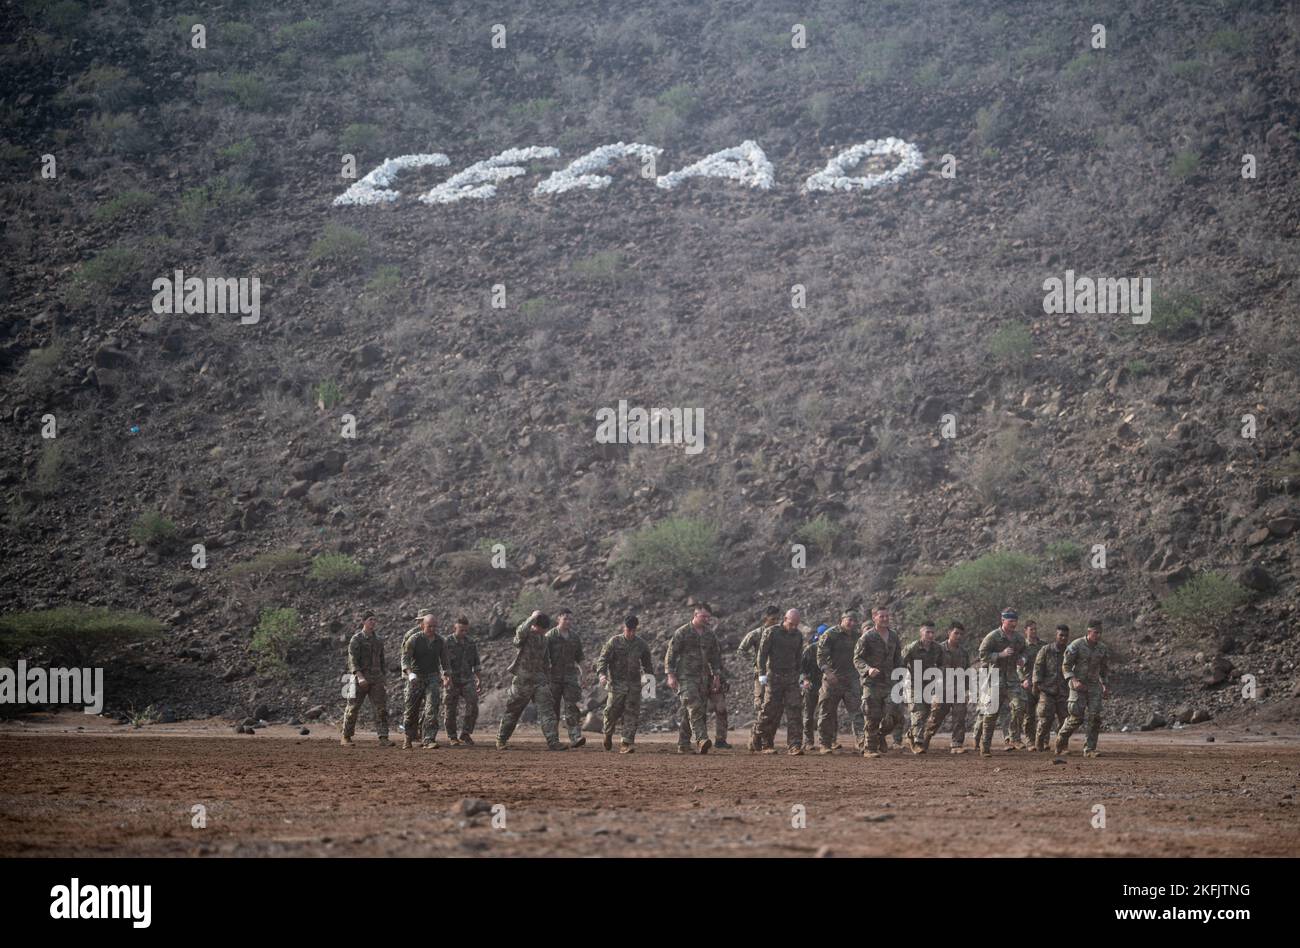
{"x": 745, "y": 163}
{"x": 579, "y": 173}
{"x": 370, "y": 189}
{"x": 835, "y": 177}
{"x": 480, "y": 179}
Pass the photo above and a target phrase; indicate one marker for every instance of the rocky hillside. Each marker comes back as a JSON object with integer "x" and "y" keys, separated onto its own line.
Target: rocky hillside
{"x": 878, "y": 378}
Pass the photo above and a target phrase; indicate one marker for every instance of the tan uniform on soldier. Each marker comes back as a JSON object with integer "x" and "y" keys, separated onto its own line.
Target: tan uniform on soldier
{"x": 748, "y": 650}
{"x": 691, "y": 676}
{"x": 367, "y": 669}
{"x": 1050, "y": 686}
{"x": 956, "y": 659}
{"x": 921, "y": 656}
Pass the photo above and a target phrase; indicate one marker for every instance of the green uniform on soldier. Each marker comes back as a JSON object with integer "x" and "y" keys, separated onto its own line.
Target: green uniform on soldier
{"x": 619, "y": 668}
{"x": 564, "y": 649}
{"x": 810, "y": 685}
{"x": 876, "y": 656}
{"x": 921, "y": 656}
{"x": 1033, "y": 644}
{"x": 956, "y": 660}
{"x": 748, "y": 650}
{"x": 1086, "y": 664}
{"x": 531, "y": 682}
{"x": 691, "y": 676}
{"x": 779, "y": 654}
{"x": 463, "y": 684}
{"x": 1050, "y": 686}
{"x": 424, "y": 671}
{"x": 367, "y": 668}
{"x": 1002, "y": 649}
{"x": 715, "y": 700}
{"x": 840, "y": 683}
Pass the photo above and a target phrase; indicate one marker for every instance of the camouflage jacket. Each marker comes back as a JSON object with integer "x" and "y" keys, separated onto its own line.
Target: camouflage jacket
{"x": 366, "y": 655}
{"x": 748, "y": 647}
{"x": 1031, "y": 655}
{"x": 533, "y": 662}
{"x": 423, "y": 655}
{"x": 780, "y": 651}
{"x": 875, "y": 651}
{"x": 955, "y": 657}
{"x": 622, "y": 660}
{"x": 1048, "y": 677}
{"x": 931, "y": 657}
{"x": 1088, "y": 663}
{"x": 808, "y": 665}
{"x": 835, "y": 653}
{"x": 564, "y": 652}
{"x": 687, "y": 655}
{"x": 995, "y": 642}
{"x": 713, "y": 654}
{"x": 461, "y": 658}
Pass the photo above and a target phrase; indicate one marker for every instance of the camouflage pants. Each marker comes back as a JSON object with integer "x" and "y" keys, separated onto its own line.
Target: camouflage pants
{"x": 920, "y": 720}
{"x": 1049, "y": 707}
{"x": 937, "y": 715}
{"x": 375, "y": 691}
{"x": 782, "y": 696}
{"x": 568, "y": 692}
{"x": 880, "y": 713}
{"x": 758, "y": 703}
{"x": 423, "y": 699}
{"x": 715, "y": 701}
{"x": 623, "y": 705}
{"x": 809, "y": 697}
{"x": 848, "y": 692}
{"x": 522, "y": 691}
{"x": 1083, "y": 705}
{"x": 455, "y": 693}
{"x": 1031, "y": 716}
{"x": 693, "y": 695}
{"x": 1018, "y": 699}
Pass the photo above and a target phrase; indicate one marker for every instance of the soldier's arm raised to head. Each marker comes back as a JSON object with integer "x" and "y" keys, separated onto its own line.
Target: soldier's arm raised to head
{"x": 521, "y": 632}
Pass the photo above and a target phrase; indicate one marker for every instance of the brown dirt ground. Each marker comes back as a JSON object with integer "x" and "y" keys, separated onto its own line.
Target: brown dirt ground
{"x": 76, "y": 786}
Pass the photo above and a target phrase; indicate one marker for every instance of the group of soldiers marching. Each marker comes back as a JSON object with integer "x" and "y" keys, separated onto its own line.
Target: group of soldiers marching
{"x": 1036, "y": 684}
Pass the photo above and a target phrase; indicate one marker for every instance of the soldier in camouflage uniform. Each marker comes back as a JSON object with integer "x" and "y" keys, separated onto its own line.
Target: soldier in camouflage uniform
{"x": 532, "y": 682}
{"x": 839, "y": 683}
{"x": 929, "y": 654}
{"x": 779, "y": 654}
{"x": 1050, "y": 686}
{"x": 1086, "y": 664}
{"x": 748, "y": 650}
{"x": 463, "y": 682}
{"x": 716, "y": 699}
{"x": 1003, "y": 649}
{"x": 366, "y": 665}
{"x": 564, "y": 648}
{"x": 810, "y": 685}
{"x": 690, "y": 675}
{"x": 875, "y": 656}
{"x": 957, "y": 658}
{"x": 424, "y": 668}
{"x": 1029, "y": 723}
{"x": 619, "y": 669}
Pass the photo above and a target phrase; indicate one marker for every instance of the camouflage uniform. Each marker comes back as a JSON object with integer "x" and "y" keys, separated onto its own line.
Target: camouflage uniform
{"x": 1049, "y": 684}
{"x": 565, "y": 653}
{"x": 931, "y": 657}
{"x": 532, "y": 682}
{"x": 748, "y": 649}
{"x": 1008, "y": 681}
{"x": 958, "y": 658}
{"x": 366, "y": 661}
{"x": 687, "y": 658}
{"x": 715, "y": 701}
{"x": 425, "y": 657}
{"x": 621, "y": 661}
{"x": 835, "y": 656}
{"x": 810, "y": 688}
{"x": 462, "y": 665}
{"x": 1031, "y": 699}
{"x": 1088, "y": 664}
{"x": 876, "y": 651}
{"x": 779, "y": 654}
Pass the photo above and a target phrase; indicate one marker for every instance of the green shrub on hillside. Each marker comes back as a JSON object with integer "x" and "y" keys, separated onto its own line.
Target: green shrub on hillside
{"x": 336, "y": 569}
{"x": 73, "y": 635}
{"x": 1205, "y": 599}
{"x": 980, "y": 589}
{"x": 277, "y": 632}
{"x": 674, "y": 551}
{"x": 154, "y": 530}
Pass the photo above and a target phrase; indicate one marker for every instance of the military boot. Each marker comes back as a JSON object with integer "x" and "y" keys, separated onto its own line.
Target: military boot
{"x": 407, "y": 744}
{"x": 704, "y": 746}
{"x": 346, "y": 742}
{"x": 627, "y": 748}
{"x": 608, "y": 741}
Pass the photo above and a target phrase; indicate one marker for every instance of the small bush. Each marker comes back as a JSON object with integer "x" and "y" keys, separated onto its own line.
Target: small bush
{"x": 359, "y": 136}
{"x": 1205, "y": 599}
{"x": 122, "y": 132}
{"x": 303, "y": 35}
{"x": 73, "y": 635}
{"x": 1173, "y": 312}
{"x": 1138, "y": 368}
{"x": 106, "y": 272}
{"x": 240, "y": 152}
{"x": 979, "y": 589}
{"x": 1065, "y": 552}
{"x": 672, "y": 552}
{"x": 327, "y": 394}
{"x": 1185, "y": 164}
{"x": 1011, "y": 346}
{"x": 49, "y": 466}
{"x": 822, "y": 534}
{"x": 277, "y": 632}
{"x": 336, "y": 569}
{"x": 340, "y": 245}
{"x": 198, "y": 204}
{"x": 154, "y": 531}
{"x": 125, "y": 204}
{"x": 992, "y": 125}
{"x": 244, "y": 89}
{"x": 607, "y": 266}
{"x": 408, "y": 58}
{"x": 269, "y": 567}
